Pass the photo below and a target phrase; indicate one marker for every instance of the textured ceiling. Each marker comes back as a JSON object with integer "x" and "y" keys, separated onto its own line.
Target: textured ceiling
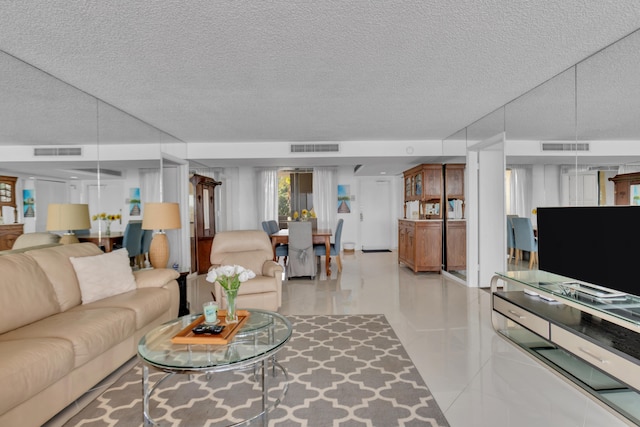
{"x": 278, "y": 71}
{"x": 322, "y": 70}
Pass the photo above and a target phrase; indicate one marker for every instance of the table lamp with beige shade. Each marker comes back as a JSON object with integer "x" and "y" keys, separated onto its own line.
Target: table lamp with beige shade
{"x": 160, "y": 216}
{"x": 68, "y": 217}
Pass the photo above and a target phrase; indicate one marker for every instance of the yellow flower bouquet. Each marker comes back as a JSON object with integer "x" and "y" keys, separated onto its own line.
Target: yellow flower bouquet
{"x": 108, "y": 219}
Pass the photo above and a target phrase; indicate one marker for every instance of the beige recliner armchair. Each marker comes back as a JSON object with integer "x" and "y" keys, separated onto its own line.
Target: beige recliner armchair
{"x": 251, "y": 249}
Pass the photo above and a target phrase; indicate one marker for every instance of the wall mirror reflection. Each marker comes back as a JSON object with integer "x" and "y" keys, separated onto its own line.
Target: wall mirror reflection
{"x": 75, "y": 154}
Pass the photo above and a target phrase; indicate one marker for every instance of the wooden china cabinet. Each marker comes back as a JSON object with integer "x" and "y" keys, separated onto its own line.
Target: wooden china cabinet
{"x": 436, "y": 237}
{"x": 420, "y": 239}
{"x": 423, "y": 184}
{"x": 9, "y": 232}
{"x": 203, "y": 223}
{"x": 623, "y": 184}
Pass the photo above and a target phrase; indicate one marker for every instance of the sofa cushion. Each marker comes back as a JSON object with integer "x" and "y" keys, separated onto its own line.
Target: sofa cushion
{"x": 252, "y": 260}
{"x": 56, "y": 265}
{"x": 27, "y": 240}
{"x": 31, "y": 365}
{"x": 258, "y": 285}
{"x": 27, "y": 294}
{"x": 154, "y": 277}
{"x": 30, "y": 248}
{"x": 148, "y": 304}
{"x": 91, "y": 332}
{"x": 248, "y": 248}
{"x": 105, "y": 275}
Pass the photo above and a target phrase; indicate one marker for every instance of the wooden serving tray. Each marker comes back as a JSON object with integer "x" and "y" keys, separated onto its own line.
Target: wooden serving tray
{"x": 186, "y": 336}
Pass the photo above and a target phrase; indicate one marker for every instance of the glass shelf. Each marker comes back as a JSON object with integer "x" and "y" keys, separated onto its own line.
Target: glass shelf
{"x": 588, "y": 334}
{"x": 617, "y": 307}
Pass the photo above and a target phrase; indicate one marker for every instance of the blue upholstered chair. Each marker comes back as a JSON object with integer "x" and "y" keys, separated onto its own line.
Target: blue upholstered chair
{"x": 281, "y": 250}
{"x": 321, "y": 250}
{"x": 301, "y": 260}
{"x": 132, "y": 240}
{"x": 511, "y": 240}
{"x": 524, "y": 239}
{"x": 273, "y": 226}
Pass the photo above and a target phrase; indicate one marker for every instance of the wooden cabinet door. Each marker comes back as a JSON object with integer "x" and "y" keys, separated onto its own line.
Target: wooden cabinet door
{"x": 407, "y": 188}
{"x": 432, "y": 182}
{"x": 454, "y": 181}
{"x": 456, "y": 245}
{"x": 428, "y": 243}
{"x": 402, "y": 237}
{"x": 410, "y": 245}
{"x": 622, "y": 193}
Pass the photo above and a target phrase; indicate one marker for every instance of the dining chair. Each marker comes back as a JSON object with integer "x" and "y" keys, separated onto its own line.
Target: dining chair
{"x": 281, "y": 250}
{"x": 132, "y": 240}
{"x": 273, "y": 226}
{"x": 334, "y": 248}
{"x": 301, "y": 260}
{"x": 525, "y": 239}
{"x": 511, "y": 241}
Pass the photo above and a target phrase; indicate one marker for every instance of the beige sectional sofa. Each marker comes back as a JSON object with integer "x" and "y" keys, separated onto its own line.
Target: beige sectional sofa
{"x": 54, "y": 348}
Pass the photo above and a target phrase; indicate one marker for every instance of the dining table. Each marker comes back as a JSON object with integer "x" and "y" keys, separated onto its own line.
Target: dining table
{"x": 318, "y": 235}
{"x": 102, "y": 240}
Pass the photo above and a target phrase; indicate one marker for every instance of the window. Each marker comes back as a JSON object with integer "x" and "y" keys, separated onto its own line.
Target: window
{"x": 295, "y": 192}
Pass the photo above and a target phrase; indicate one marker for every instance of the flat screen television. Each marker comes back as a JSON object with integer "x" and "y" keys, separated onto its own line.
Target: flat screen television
{"x": 599, "y": 245}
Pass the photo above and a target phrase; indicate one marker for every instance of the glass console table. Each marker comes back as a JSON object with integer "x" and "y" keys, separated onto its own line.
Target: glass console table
{"x": 587, "y": 333}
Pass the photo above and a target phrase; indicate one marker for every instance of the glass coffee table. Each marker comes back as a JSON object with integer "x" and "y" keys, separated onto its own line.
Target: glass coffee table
{"x": 253, "y": 347}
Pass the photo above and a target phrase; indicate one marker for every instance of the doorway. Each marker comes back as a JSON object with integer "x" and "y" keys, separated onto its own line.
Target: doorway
{"x": 487, "y": 242}
{"x": 375, "y": 214}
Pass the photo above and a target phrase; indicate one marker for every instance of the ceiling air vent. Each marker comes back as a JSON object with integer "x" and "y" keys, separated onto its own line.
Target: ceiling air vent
{"x": 104, "y": 171}
{"x": 565, "y": 146}
{"x": 58, "y": 151}
{"x": 315, "y": 148}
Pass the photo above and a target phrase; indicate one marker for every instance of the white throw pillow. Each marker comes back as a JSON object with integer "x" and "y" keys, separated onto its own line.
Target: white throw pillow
{"x": 104, "y": 275}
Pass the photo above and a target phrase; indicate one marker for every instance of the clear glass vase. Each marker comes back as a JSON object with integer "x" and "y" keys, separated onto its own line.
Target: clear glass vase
{"x": 108, "y": 231}
{"x": 232, "y": 313}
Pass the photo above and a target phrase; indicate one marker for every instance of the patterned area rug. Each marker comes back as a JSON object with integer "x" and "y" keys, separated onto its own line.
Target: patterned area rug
{"x": 345, "y": 371}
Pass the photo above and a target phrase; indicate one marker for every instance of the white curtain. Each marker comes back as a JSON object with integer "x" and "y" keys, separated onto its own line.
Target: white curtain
{"x": 267, "y": 195}
{"x": 149, "y": 186}
{"x": 521, "y": 191}
{"x": 325, "y": 196}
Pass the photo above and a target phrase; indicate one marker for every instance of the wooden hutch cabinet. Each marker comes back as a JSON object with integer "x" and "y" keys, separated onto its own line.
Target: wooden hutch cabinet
{"x": 420, "y": 239}
{"x": 203, "y": 222}
{"x": 455, "y": 237}
{"x": 9, "y": 232}
{"x": 622, "y": 188}
{"x": 436, "y": 237}
{"x": 423, "y": 183}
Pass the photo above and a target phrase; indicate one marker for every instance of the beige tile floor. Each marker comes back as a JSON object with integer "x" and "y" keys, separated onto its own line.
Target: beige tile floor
{"x": 477, "y": 378}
